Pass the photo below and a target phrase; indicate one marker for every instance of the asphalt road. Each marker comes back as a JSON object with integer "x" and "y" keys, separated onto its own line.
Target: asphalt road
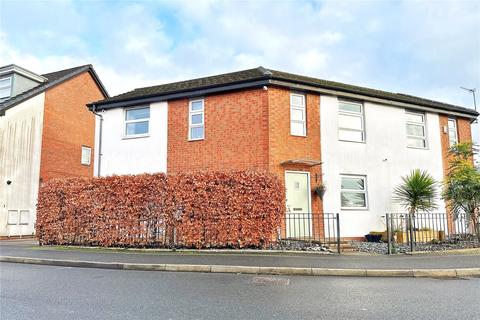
{"x": 46, "y": 292}
{"x": 28, "y": 249}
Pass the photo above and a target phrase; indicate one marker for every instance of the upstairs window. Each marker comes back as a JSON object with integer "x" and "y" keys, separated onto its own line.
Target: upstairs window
{"x": 137, "y": 121}
{"x": 452, "y": 132}
{"x": 5, "y": 88}
{"x": 351, "y": 122}
{"x": 298, "y": 122}
{"x": 196, "y": 120}
{"x": 416, "y": 130}
{"x": 86, "y": 156}
{"x": 353, "y": 192}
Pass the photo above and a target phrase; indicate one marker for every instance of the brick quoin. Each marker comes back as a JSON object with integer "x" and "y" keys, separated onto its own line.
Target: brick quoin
{"x": 67, "y": 126}
{"x": 247, "y": 129}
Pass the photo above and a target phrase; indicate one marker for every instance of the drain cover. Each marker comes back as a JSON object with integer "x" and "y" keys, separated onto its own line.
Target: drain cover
{"x": 271, "y": 281}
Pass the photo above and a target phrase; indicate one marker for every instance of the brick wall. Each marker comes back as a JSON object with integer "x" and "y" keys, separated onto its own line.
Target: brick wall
{"x": 67, "y": 125}
{"x": 236, "y": 135}
{"x": 464, "y": 135}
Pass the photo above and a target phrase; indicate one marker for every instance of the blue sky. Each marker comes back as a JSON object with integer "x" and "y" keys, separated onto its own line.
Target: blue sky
{"x": 425, "y": 48}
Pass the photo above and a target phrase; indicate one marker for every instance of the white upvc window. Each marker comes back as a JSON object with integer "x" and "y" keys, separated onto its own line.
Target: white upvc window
{"x": 137, "y": 122}
{"x": 5, "y": 88}
{"x": 353, "y": 192}
{"x": 13, "y": 217}
{"x": 298, "y": 115}
{"x": 452, "y": 131}
{"x": 196, "y": 120}
{"x": 86, "y": 156}
{"x": 416, "y": 130}
{"x": 24, "y": 217}
{"x": 351, "y": 126}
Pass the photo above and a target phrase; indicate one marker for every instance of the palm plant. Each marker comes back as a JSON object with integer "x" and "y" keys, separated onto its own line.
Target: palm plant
{"x": 462, "y": 185}
{"x": 417, "y": 191}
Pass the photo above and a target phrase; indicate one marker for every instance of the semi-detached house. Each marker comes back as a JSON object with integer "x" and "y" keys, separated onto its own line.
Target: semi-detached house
{"x": 356, "y": 141}
{"x": 45, "y": 132}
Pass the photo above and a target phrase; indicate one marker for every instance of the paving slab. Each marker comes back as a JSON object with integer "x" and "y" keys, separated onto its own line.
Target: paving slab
{"x": 28, "y": 249}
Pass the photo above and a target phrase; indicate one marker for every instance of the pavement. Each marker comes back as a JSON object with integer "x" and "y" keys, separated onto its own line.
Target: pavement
{"x": 425, "y": 265}
{"x": 50, "y": 292}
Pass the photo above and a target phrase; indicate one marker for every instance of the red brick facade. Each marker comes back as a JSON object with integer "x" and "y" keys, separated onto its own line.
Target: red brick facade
{"x": 67, "y": 126}
{"x": 236, "y": 133}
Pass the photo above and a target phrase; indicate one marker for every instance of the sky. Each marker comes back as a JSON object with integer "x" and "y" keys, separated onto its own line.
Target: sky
{"x": 423, "y": 48}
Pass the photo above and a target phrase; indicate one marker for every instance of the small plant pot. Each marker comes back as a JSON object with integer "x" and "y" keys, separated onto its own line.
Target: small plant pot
{"x": 320, "y": 191}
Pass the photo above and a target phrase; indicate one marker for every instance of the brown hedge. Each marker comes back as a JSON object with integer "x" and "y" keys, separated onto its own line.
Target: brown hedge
{"x": 205, "y": 209}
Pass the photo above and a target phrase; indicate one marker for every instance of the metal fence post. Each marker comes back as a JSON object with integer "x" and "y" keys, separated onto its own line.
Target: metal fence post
{"x": 389, "y": 235}
{"x": 410, "y": 229}
{"x": 338, "y": 234}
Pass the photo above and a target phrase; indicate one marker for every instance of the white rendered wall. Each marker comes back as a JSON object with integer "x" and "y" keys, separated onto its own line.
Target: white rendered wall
{"x": 122, "y": 155}
{"x": 384, "y": 159}
{"x": 20, "y": 150}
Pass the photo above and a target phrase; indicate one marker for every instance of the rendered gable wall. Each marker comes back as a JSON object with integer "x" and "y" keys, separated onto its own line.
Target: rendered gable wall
{"x": 20, "y": 145}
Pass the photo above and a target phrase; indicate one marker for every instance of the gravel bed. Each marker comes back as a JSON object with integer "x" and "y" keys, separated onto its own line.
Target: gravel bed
{"x": 382, "y": 247}
{"x": 298, "y": 245}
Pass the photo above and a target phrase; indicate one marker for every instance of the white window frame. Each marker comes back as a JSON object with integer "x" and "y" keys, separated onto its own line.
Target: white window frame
{"x": 7, "y": 86}
{"x": 453, "y": 129}
{"x": 364, "y": 191}
{"x": 302, "y": 108}
{"x": 191, "y": 113}
{"x": 360, "y": 115}
{"x": 126, "y": 122}
{"x": 423, "y": 124}
{"x": 84, "y": 161}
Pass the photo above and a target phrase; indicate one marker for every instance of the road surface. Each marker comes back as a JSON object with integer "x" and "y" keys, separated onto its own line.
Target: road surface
{"x": 48, "y": 292}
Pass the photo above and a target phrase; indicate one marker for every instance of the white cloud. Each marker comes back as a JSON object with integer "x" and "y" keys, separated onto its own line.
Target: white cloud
{"x": 421, "y": 48}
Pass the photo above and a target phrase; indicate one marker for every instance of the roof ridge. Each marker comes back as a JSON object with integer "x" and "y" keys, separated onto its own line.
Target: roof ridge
{"x": 72, "y": 68}
{"x": 265, "y": 71}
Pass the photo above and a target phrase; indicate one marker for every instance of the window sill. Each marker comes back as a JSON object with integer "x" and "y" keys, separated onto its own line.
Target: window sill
{"x": 418, "y": 148}
{"x": 362, "y": 142}
{"x": 298, "y": 135}
{"x": 354, "y": 209}
{"x": 137, "y": 136}
{"x": 193, "y": 140}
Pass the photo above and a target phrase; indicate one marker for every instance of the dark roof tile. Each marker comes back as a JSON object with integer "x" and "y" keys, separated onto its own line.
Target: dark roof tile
{"x": 53, "y": 78}
{"x": 260, "y": 73}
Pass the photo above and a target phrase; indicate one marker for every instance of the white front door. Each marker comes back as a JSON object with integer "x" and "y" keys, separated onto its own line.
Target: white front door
{"x": 298, "y": 217}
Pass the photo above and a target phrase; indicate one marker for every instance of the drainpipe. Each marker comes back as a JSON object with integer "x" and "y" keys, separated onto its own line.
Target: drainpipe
{"x": 99, "y": 165}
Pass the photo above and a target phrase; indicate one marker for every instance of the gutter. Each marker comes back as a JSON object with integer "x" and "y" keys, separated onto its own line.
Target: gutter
{"x": 99, "y": 165}
{"x": 178, "y": 94}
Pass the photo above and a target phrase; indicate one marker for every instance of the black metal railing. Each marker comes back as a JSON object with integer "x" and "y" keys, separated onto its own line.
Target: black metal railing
{"x": 432, "y": 228}
{"x": 318, "y": 228}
